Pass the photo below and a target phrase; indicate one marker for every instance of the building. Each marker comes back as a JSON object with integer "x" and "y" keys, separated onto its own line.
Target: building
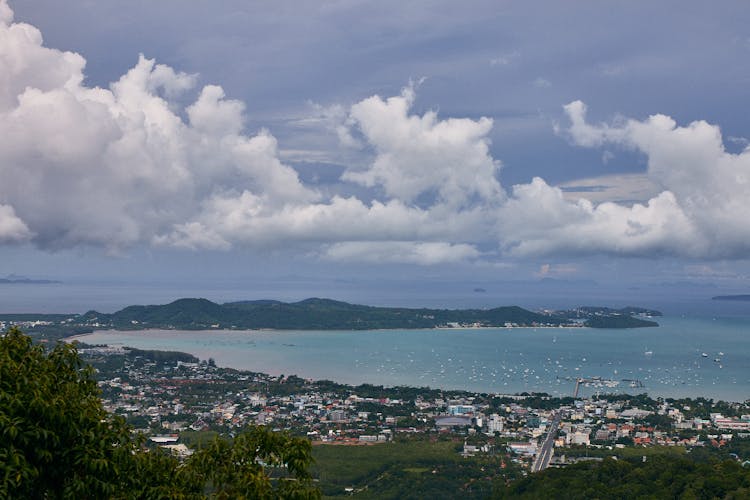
{"x": 448, "y": 421}
{"x": 495, "y": 423}
{"x": 523, "y": 447}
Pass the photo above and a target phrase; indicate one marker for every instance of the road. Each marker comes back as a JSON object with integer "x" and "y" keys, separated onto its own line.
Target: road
{"x": 545, "y": 453}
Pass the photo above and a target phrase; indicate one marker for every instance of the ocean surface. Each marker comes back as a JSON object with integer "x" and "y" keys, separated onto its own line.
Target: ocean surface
{"x": 667, "y": 360}
{"x": 684, "y": 357}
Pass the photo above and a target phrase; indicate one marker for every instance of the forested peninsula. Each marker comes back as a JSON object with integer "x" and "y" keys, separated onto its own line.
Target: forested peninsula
{"x": 316, "y": 314}
{"x": 326, "y": 314}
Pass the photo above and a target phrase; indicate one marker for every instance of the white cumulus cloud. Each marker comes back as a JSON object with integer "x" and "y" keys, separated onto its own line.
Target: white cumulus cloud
{"x": 12, "y": 229}
{"x": 539, "y": 220}
{"x": 420, "y": 253}
{"x": 710, "y": 187}
{"x": 419, "y": 155}
{"x": 130, "y": 165}
{"x": 119, "y": 166}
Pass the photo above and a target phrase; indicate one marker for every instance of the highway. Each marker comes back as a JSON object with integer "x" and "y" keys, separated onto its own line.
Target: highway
{"x": 545, "y": 453}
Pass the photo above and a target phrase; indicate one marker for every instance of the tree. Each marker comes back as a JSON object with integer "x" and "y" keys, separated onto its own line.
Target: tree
{"x": 57, "y": 441}
{"x": 256, "y": 464}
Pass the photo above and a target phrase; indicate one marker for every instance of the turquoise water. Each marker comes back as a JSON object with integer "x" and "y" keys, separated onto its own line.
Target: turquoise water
{"x": 668, "y": 360}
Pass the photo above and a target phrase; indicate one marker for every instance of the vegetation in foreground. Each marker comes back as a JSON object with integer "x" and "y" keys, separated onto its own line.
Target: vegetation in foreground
{"x": 57, "y": 441}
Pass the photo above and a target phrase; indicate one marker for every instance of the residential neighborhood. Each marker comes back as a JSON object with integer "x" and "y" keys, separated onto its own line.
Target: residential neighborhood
{"x": 176, "y": 399}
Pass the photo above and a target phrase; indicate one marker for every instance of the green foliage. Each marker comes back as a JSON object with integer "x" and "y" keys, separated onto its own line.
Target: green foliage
{"x": 347, "y": 465}
{"x": 406, "y": 469}
{"x": 629, "y": 452}
{"x": 257, "y": 464}
{"x": 658, "y": 477}
{"x": 310, "y": 314}
{"x": 313, "y": 314}
{"x": 55, "y": 437}
{"x": 197, "y": 439}
{"x": 658, "y": 421}
{"x": 162, "y": 356}
{"x": 57, "y": 441}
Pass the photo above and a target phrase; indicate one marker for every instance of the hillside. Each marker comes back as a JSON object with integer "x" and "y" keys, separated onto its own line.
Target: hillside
{"x": 326, "y": 314}
{"x": 309, "y": 314}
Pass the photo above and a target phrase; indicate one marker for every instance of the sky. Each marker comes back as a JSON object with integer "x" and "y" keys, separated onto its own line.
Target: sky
{"x": 375, "y": 142}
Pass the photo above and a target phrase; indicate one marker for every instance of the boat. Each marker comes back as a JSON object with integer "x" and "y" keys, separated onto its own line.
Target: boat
{"x": 648, "y": 353}
{"x": 703, "y": 354}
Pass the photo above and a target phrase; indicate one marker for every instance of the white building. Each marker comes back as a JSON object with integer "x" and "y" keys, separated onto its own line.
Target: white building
{"x": 495, "y": 423}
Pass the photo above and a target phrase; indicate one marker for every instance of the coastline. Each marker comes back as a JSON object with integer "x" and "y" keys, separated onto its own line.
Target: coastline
{"x": 280, "y": 330}
{"x": 514, "y": 359}
{"x": 596, "y": 384}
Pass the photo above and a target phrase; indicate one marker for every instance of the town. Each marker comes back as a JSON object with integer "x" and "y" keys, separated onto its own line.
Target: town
{"x": 179, "y": 402}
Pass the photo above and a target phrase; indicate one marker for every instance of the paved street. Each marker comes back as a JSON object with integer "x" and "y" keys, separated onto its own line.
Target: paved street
{"x": 546, "y": 451}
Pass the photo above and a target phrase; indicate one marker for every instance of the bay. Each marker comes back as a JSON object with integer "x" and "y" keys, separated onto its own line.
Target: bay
{"x": 669, "y": 360}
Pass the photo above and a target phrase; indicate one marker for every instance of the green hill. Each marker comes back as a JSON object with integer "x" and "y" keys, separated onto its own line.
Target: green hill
{"x": 327, "y": 314}
{"x": 309, "y": 314}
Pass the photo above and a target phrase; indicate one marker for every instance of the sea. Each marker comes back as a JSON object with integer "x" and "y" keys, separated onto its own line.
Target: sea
{"x": 684, "y": 357}
{"x": 701, "y": 348}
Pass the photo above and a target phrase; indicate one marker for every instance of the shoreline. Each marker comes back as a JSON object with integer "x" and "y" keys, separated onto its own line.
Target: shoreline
{"x": 516, "y": 394}
{"x": 279, "y": 330}
{"x": 530, "y": 361}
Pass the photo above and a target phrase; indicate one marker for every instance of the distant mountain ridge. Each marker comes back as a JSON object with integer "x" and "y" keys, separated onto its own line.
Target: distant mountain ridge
{"x": 328, "y": 314}
{"x": 27, "y": 281}
{"x": 742, "y": 297}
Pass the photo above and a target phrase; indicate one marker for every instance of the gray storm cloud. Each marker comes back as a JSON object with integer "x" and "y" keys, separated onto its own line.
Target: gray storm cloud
{"x": 126, "y": 165}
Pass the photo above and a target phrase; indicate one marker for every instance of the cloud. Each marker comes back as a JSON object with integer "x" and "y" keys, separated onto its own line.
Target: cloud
{"x": 12, "y": 229}
{"x": 612, "y": 70}
{"x": 132, "y": 165}
{"x": 6, "y": 14}
{"x": 740, "y": 141}
{"x": 549, "y": 270}
{"x": 618, "y": 188}
{"x": 423, "y": 155}
{"x": 119, "y": 166}
{"x": 246, "y": 220}
{"x": 537, "y": 220}
{"x": 543, "y": 271}
{"x": 505, "y": 59}
{"x": 127, "y": 165}
{"x": 336, "y": 118}
{"x": 709, "y": 186}
{"x": 406, "y": 252}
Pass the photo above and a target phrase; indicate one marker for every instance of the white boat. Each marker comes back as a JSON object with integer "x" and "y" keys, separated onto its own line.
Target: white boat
{"x": 703, "y": 354}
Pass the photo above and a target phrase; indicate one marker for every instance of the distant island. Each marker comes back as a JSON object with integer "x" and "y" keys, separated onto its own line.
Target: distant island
{"x": 318, "y": 314}
{"x": 26, "y": 281}
{"x": 327, "y": 314}
{"x": 741, "y": 298}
